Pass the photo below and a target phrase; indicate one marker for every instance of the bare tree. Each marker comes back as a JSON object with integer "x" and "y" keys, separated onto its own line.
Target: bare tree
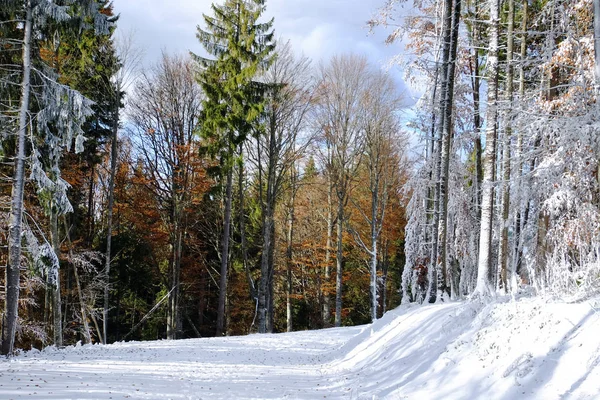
{"x": 339, "y": 114}
{"x": 289, "y": 99}
{"x": 129, "y": 58}
{"x": 382, "y": 143}
{"x": 164, "y": 116}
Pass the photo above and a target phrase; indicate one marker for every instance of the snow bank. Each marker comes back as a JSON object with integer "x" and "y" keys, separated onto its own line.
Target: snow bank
{"x": 530, "y": 349}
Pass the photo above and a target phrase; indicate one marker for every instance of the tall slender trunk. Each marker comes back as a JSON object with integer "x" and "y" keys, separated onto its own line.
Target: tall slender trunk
{"x": 487, "y": 203}
{"x": 328, "y": 246}
{"x": 55, "y": 285}
{"x": 243, "y": 243}
{"x": 506, "y": 151}
{"x": 224, "y": 253}
{"x": 339, "y": 261}
{"x": 375, "y": 202}
{"x": 519, "y": 220}
{"x": 289, "y": 253}
{"x": 597, "y": 42}
{"x": 477, "y": 111}
{"x": 109, "y": 216}
{"x": 434, "y": 272}
{"x": 447, "y": 134}
{"x": 11, "y": 313}
{"x": 82, "y": 306}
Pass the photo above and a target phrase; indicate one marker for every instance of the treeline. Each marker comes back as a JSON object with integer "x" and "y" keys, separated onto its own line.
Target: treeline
{"x": 245, "y": 191}
{"x": 508, "y": 191}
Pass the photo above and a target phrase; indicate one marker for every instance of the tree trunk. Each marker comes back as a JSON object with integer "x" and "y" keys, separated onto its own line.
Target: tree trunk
{"x": 328, "y": 246}
{"x": 109, "y": 217}
{"x": 447, "y": 134}
{"x": 55, "y": 285}
{"x": 483, "y": 287}
{"x": 339, "y": 261}
{"x": 434, "y": 272}
{"x": 519, "y": 219}
{"x": 503, "y": 254}
{"x": 82, "y": 306}
{"x": 289, "y": 253}
{"x": 224, "y": 254}
{"x": 597, "y": 41}
{"x": 12, "y": 281}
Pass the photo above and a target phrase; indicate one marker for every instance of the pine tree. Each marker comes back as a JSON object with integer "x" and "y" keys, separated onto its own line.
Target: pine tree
{"x": 241, "y": 47}
{"x": 60, "y": 112}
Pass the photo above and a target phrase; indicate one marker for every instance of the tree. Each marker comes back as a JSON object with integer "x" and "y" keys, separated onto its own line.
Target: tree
{"x": 241, "y": 47}
{"x": 66, "y": 116}
{"x": 487, "y": 203}
{"x": 288, "y": 100}
{"x": 339, "y": 114}
{"x": 382, "y": 143}
{"x": 165, "y": 119}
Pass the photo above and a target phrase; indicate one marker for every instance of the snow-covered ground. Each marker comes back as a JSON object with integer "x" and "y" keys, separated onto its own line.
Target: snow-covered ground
{"x": 530, "y": 349}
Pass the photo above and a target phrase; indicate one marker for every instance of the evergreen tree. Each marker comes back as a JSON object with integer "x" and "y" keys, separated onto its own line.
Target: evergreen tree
{"x": 241, "y": 47}
{"x": 60, "y": 112}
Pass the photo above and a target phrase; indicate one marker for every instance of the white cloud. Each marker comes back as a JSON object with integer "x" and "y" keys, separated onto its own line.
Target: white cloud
{"x": 317, "y": 28}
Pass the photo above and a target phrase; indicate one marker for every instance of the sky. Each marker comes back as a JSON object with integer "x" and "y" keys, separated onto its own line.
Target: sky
{"x": 318, "y": 29}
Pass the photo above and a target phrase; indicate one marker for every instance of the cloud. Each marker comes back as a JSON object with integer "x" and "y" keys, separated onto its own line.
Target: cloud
{"x": 317, "y": 28}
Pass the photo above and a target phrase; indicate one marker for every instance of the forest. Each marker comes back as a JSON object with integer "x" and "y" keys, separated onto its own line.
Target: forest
{"x": 249, "y": 189}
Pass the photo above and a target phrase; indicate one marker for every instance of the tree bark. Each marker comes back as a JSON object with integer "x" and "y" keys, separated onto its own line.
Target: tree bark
{"x": 447, "y": 134}
{"x": 506, "y": 151}
{"x": 328, "y": 247}
{"x": 483, "y": 287}
{"x": 12, "y": 281}
{"x": 82, "y": 306}
{"x": 55, "y": 286}
{"x": 224, "y": 254}
{"x": 434, "y": 273}
{"x": 339, "y": 262}
{"x": 109, "y": 216}
{"x": 289, "y": 252}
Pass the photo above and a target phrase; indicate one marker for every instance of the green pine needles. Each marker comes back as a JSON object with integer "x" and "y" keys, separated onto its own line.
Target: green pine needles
{"x": 242, "y": 48}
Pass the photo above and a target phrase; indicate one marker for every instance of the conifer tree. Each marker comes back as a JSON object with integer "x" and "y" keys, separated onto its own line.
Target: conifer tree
{"x": 60, "y": 113}
{"x": 240, "y": 46}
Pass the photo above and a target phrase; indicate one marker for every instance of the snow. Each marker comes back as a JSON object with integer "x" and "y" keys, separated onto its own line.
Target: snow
{"x": 531, "y": 348}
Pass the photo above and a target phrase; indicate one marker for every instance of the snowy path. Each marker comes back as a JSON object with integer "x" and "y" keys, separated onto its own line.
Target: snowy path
{"x": 526, "y": 349}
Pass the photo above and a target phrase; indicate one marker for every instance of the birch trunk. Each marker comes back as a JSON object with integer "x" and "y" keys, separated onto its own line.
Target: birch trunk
{"x": 12, "y": 280}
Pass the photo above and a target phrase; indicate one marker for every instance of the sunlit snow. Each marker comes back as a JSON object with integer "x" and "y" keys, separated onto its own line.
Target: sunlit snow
{"x": 530, "y": 349}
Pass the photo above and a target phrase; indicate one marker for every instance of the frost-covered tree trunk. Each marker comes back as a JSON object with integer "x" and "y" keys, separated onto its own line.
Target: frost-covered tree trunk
{"x": 435, "y": 273}
{"x": 54, "y": 286}
{"x": 597, "y": 41}
{"x": 519, "y": 167}
{"x": 506, "y": 151}
{"x": 9, "y": 325}
{"x": 447, "y": 134}
{"x": 483, "y": 287}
